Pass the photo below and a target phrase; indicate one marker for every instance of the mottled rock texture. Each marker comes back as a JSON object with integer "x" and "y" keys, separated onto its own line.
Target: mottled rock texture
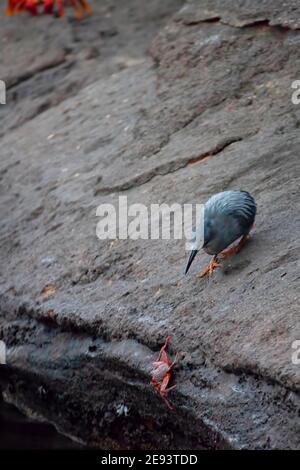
{"x": 120, "y": 104}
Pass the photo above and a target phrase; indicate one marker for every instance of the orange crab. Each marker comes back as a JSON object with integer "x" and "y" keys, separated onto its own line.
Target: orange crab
{"x": 17, "y": 6}
{"x": 162, "y": 373}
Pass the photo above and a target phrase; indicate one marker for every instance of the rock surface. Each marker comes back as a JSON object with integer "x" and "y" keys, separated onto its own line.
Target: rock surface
{"x": 94, "y": 117}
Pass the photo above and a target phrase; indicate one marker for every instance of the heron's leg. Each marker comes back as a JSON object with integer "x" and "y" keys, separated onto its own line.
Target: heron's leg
{"x": 214, "y": 263}
{"x": 235, "y": 249}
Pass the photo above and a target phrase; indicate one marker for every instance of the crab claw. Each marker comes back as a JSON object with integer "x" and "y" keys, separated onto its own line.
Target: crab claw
{"x": 160, "y": 370}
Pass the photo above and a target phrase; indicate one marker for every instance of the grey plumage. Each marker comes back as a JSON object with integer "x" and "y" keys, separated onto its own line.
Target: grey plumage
{"x": 228, "y": 216}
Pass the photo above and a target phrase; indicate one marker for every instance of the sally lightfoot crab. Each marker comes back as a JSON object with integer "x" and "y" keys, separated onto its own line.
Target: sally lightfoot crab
{"x": 228, "y": 216}
{"x": 162, "y": 373}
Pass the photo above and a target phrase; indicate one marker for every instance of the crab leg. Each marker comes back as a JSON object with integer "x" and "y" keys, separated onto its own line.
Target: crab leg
{"x": 235, "y": 249}
{"x": 85, "y": 6}
{"x": 10, "y": 8}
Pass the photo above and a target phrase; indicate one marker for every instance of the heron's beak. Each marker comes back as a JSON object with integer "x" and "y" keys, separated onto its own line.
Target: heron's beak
{"x": 191, "y": 258}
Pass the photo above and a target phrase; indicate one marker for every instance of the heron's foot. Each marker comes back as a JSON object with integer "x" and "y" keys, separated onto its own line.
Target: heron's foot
{"x": 235, "y": 249}
{"x": 210, "y": 268}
